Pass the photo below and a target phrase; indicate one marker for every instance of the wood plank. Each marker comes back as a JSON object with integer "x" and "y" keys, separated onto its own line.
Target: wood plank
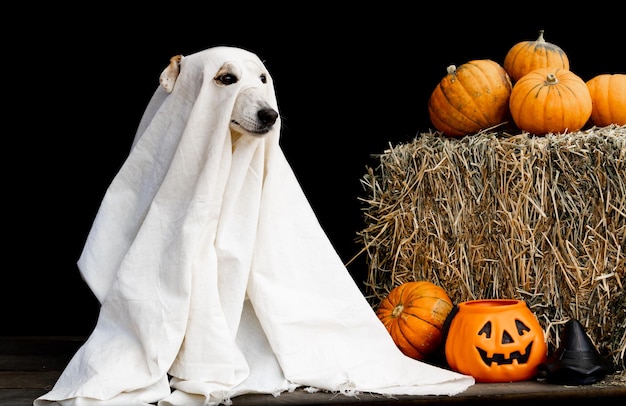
{"x": 516, "y": 393}
{"x": 28, "y": 379}
{"x": 19, "y": 397}
{"x": 483, "y": 394}
{"x": 29, "y": 367}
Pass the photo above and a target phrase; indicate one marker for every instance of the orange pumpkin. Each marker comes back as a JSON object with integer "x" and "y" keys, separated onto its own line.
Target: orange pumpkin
{"x": 414, "y": 314}
{"x": 608, "y": 96}
{"x": 550, "y": 100}
{"x": 495, "y": 340}
{"x": 470, "y": 98}
{"x": 527, "y": 56}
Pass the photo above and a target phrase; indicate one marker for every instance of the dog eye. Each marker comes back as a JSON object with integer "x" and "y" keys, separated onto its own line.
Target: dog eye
{"x": 227, "y": 79}
{"x": 263, "y": 78}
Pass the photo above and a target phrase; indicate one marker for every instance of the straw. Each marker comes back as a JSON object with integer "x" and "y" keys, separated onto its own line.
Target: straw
{"x": 498, "y": 215}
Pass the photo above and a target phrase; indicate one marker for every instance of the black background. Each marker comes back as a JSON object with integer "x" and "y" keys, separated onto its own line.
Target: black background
{"x": 349, "y": 82}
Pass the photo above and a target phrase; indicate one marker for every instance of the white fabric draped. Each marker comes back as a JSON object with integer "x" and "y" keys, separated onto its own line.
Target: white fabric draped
{"x": 214, "y": 275}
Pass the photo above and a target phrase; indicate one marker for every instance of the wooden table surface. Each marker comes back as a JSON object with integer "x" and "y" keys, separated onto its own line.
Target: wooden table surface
{"x": 29, "y": 367}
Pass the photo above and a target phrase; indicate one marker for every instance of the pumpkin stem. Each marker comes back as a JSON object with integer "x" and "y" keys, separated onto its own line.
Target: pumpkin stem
{"x": 540, "y": 38}
{"x": 451, "y": 69}
{"x": 551, "y": 79}
{"x": 397, "y": 311}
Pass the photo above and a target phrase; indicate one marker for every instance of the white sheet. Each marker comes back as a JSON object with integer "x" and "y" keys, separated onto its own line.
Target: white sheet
{"x": 212, "y": 269}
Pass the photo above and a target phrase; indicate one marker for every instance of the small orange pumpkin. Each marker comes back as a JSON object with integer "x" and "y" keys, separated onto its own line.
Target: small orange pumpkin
{"x": 608, "y": 96}
{"x": 527, "y": 56}
{"x": 495, "y": 340}
{"x": 470, "y": 98}
{"x": 414, "y": 314}
{"x": 550, "y": 100}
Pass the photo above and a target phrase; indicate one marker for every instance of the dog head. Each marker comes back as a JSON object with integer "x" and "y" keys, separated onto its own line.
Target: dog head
{"x": 252, "y": 114}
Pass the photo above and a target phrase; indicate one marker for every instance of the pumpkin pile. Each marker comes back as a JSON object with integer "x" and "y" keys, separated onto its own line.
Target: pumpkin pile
{"x": 517, "y": 216}
{"x": 534, "y": 87}
{"x": 489, "y": 216}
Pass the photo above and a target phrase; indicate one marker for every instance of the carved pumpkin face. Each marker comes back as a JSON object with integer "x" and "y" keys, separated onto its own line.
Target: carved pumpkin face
{"x": 495, "y": 340}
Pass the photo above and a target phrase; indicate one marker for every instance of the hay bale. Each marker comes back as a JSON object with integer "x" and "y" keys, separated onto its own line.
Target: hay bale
{"x": 495, "y": 215}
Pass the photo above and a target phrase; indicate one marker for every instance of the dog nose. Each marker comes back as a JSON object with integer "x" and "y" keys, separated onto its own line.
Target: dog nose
{"x": 267, "y": 116}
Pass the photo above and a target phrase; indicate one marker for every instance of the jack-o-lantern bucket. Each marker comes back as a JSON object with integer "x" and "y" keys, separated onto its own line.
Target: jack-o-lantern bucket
{"x": 495, "y": 340}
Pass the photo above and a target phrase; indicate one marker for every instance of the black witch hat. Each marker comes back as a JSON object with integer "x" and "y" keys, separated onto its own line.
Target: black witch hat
{"x": 576, "y": 361}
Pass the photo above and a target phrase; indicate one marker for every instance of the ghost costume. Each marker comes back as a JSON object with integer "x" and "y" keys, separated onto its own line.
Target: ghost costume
{"x": 214, "y": 276}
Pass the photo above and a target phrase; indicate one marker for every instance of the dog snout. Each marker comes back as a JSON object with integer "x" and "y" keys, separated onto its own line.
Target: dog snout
{"x": 252, "y": 113}
{"x": 267, "y": 116}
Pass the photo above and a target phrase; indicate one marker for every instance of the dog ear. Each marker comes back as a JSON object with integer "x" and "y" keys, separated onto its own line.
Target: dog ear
{"x": 170, "y": 73}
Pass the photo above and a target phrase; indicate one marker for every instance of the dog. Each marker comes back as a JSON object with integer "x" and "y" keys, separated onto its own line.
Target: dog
{"x": 202, "y": 237}
{"x": 251, "y": 114}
